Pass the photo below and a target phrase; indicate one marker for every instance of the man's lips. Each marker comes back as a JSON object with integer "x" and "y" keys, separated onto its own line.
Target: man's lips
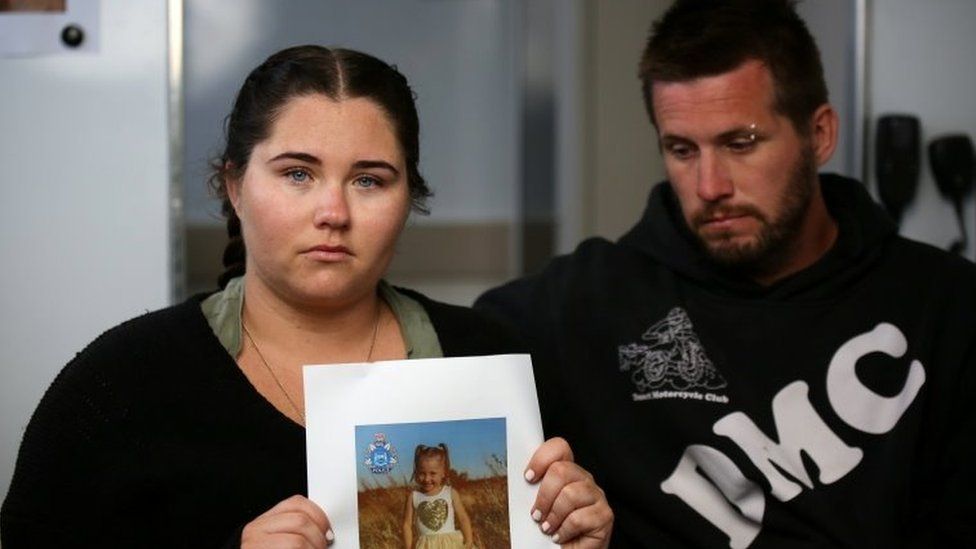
{"x": 722, "y": 221}
{"x": 723, "y": 218}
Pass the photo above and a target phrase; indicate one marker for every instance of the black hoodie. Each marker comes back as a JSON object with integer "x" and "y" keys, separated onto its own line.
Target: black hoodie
{"x": 829, "y": 409}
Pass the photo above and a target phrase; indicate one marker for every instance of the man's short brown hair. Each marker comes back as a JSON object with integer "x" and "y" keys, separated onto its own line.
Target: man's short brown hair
{"x": 699, "y": 38}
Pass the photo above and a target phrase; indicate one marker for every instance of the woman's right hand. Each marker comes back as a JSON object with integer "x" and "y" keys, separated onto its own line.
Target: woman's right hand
{"x": 571, "y": 508}
{"x": 295, "y": 522}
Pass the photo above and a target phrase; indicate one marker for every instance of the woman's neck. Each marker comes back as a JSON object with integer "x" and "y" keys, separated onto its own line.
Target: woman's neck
{"x": 342, "y": 333}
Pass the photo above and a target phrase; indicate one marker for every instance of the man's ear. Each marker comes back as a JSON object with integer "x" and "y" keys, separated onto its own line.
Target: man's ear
{"x": 823, "y": 130}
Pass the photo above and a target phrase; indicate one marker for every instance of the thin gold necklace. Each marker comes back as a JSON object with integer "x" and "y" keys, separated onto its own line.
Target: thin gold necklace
{"x": 281, "y": 387}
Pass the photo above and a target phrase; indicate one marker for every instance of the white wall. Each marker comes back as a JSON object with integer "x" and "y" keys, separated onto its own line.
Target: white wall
{"x": 84, "y": 204}
{"x": 920, "y": 61}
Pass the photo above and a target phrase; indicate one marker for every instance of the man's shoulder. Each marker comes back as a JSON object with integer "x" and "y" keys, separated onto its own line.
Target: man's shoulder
{"x": 594, "y": 257}
{"x": 584, "y": 275}
{"x": 463, "y": 331}
{"x": 926, "y": 260}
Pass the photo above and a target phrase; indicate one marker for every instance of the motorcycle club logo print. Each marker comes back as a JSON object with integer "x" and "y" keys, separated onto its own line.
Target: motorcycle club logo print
{"x": 670, "y": 363}
{"x": 381, "y": 456}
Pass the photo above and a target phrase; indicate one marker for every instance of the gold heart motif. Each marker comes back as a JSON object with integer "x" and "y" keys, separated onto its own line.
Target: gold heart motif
{"x": 433, "y": 514}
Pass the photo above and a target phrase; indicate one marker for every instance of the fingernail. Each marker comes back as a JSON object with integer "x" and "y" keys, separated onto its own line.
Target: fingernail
{"x": 536, "y": 515}
{"x": 555, "y": 538}
{"x": 329, "y": 535}
{"x": 529, "y": 475}
{"x": 545, "y": 526}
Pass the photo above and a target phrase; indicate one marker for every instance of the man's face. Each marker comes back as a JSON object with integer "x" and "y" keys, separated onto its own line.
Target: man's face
{"x": 743, "y": 175}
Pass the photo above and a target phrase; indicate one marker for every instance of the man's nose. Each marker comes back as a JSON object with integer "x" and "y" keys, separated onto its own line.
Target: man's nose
{"x": 331, "y": 206}
{"x": 714, "y": 180}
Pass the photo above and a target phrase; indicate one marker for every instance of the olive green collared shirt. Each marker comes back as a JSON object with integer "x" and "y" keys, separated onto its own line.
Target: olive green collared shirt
{"x": 223, "y": 312}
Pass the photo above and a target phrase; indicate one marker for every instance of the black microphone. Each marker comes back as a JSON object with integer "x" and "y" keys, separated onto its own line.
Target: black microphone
{"x": 897, "y": 151}
{"x": 952, "y": 160}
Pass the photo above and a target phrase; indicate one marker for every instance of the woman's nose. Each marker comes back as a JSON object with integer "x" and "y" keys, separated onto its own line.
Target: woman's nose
{"x": 331, "y": 207}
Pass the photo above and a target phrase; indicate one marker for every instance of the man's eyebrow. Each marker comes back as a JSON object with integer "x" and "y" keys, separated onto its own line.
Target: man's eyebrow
{"x": 670, "y": 137}
{"x": 750, "y": 132}
{"x": 369, "y": 164}
{"x": 303, "y": 157}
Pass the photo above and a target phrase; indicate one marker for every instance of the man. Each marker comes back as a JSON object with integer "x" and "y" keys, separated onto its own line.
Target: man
{"x": 761, "y": 361}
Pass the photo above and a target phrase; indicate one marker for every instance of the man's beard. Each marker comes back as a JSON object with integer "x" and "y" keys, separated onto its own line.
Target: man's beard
{"x": 768, "y": 249}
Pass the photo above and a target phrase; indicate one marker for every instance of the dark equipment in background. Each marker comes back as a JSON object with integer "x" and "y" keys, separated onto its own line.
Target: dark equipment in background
{"x": 897, "y": 152}
{"x": 952, "y": 161}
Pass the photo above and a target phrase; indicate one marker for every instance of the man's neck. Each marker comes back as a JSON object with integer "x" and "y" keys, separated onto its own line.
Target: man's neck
{"x": 816, "y": 237}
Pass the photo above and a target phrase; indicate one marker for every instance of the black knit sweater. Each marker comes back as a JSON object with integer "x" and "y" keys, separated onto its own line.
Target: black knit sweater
{"x": 152, "y": 436}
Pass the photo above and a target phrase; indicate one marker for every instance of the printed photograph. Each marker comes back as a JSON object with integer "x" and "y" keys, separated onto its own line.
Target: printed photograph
{"x": 435, "y": 485}
{"x": 32, "y": 5}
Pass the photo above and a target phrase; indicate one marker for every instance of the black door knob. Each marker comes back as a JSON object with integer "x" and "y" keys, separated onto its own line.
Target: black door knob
{"x": 72, "y": 36}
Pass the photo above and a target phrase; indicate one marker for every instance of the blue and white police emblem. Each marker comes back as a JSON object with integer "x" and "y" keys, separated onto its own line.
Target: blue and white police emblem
{"x": 381, "y": 456}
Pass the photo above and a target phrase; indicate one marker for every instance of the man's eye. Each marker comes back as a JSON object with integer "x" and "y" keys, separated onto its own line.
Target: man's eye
{"x": 741, "y": 145}
{"x": 298, "y": 176}
{"x": 680, "y": 151}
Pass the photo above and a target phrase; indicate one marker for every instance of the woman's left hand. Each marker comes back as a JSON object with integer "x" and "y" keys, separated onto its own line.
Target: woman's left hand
{"x": 569, "y": 506}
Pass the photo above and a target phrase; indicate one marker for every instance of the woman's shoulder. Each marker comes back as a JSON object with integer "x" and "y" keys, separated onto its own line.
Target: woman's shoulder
{"x": 140, "y": 357}
{"x": 463, "y": 331}
{"x": 135, "y": 349}
{"x": 151, "y": 331}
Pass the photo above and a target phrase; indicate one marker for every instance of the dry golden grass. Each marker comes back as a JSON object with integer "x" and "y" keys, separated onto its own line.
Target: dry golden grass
{"x": 486, "y": 500}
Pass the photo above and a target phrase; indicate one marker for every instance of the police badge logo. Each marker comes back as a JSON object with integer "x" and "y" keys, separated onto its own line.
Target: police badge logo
{"x": 381, "y": 456}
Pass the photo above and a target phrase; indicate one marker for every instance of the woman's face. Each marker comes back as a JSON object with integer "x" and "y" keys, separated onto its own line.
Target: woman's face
{"x": 322, "y": 201}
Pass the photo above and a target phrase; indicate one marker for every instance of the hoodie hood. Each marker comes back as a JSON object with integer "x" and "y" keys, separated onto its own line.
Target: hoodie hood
{"x": 863, "y": 228}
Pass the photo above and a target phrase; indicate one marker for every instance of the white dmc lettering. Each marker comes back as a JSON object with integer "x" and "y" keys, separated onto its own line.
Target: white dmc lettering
{"x": 709, "y": 481}
{"x": 710, "y": 494}
{"x": 858, "y": 406}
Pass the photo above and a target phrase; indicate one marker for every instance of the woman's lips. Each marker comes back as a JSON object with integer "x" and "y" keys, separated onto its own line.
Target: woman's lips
{"x": 328, "y": 253}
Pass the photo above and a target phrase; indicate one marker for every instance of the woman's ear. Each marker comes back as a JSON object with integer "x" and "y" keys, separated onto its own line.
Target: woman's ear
{"x": 232, "y": 184}
{"x": 823, "y": 129}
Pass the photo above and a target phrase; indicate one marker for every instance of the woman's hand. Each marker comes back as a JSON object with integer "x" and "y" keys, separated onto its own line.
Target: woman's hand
{"x": 295, "y": 522}
{"x": 569, "y": 506}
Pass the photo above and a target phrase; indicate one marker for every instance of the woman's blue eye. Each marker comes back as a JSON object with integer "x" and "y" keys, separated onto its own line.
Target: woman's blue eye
{"x": 367, "y": 181}
{"x": 298, "y": 176}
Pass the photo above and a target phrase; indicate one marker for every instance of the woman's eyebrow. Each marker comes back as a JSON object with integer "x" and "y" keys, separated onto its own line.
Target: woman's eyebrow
{"x": 312, "y": 159}
{"x": 304, "y": 157}
{"x": 368, "y": 164}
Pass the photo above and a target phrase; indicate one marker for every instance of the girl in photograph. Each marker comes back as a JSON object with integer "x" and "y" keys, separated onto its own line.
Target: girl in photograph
{"x": 185, "y": 427}
{"x": 432, "y": 507}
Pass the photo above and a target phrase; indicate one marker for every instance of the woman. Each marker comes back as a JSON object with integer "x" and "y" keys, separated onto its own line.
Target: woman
{"x": 184, "y": 427}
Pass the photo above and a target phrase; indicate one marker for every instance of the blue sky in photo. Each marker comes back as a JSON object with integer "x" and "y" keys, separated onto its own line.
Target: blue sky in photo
{"x": 470, "y": 442}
